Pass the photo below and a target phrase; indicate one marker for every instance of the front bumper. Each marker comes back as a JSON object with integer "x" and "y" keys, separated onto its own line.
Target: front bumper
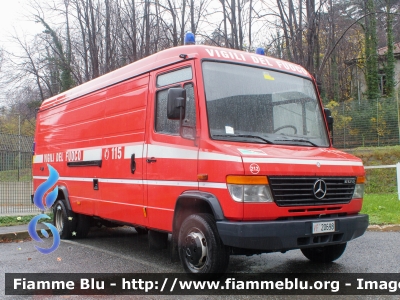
{"x": 289, "y": 234}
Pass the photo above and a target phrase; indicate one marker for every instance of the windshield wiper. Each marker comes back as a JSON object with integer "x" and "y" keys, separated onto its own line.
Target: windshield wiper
{"x": 297, "y": 140}
{"x": 244, "y": 136}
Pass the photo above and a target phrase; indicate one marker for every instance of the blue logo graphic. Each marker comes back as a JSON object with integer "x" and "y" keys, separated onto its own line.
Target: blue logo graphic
{"x": 38, "y": 201}
{"x": 44, "y": 187}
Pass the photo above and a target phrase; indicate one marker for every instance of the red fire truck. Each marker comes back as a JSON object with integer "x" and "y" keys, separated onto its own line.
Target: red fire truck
{"x": 228, "y": 151}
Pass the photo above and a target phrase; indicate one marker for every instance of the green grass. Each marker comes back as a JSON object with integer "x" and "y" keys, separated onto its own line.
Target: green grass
{"x": 380, "y": 201}
{"x": 386, "y": 154}
{"x": 20, "y": 220}
{"x": 379, "y": 180}
{"x": 383, "y": 209}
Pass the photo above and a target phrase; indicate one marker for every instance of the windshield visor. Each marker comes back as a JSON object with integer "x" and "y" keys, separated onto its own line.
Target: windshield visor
{"x": 249, "y": 104}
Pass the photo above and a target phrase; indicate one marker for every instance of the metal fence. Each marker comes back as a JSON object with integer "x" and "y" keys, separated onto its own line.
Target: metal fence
{"x": 364, "y": 123}
{"x": 16, "y": 174}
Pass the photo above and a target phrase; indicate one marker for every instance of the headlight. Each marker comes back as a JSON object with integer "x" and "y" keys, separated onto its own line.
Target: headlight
{"x": 358, "y": 191}
{"x": 359, "y": 188}
{"x": 253, "y": 192}
{"x": 250, "y": 193}
{"x": 236, "y": 192}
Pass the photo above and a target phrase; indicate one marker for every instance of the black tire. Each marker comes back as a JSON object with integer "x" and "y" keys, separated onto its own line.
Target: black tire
{"x": 64, "y": 220}
{"x": 200, "y": 248}
{"x": 325, "y": 254}
{"x": 83, "y": 226}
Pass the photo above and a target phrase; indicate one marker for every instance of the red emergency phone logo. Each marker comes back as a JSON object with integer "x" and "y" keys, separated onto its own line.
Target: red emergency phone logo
{"x": 254, "y": 169}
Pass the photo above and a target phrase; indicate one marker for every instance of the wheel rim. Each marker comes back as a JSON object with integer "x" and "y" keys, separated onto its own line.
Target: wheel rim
{"x": 195, "y": 249}
{"x": 59, "y": 221}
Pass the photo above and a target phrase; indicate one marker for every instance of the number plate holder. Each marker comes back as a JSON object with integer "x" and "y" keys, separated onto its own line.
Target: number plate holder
{"x": 323, "y": 227}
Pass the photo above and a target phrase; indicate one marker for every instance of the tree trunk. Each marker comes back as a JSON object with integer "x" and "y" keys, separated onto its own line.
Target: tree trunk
{"x": 234, "y": 25}
{"x": 174, "y": 27}
{"x": 192, "y": 23}
{"x": 107, "y": 67}
{"x": 239, "y": 6}
{"x": 250, "y": 19}
{"x": 390, "y": 61}
{"x": 285, "y": 30}
{"x": 310, "y": 8}
{"x": 147, "y": 29}
{"x": 183, "y": 22}
{"x": 225, "y": 25}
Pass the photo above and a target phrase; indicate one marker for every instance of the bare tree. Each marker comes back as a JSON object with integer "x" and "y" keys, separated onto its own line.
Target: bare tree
{"x": 98, "y": 36}
{"x": 26, "y": 66}
{"x": 146, "y": 27}
{"x": 107, "y": 37}
{"x": 1, "y": 57}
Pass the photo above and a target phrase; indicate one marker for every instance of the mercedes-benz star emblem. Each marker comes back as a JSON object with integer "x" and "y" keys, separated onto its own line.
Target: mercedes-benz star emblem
{"x": 319, "y": 189}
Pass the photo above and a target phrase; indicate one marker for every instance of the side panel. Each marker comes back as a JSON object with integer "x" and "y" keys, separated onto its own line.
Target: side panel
{"x": 72, "y": 132}
{"x": 103, "y": 129}
{"x": 123, "y": 135}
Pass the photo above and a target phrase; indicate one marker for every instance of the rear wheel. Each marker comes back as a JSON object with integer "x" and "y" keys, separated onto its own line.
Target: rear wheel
{"x": 64, "y": 220}
{"x": 324, "y": 254}
{"x": 200, "y": 248}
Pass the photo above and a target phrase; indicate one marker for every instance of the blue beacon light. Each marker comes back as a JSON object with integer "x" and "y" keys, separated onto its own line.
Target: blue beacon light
{"x": 260, "y": 51}
{"x": 189, "y": 38}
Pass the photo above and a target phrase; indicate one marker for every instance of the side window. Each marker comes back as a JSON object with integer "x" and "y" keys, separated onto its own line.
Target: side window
{"x": 162, "y": 123}
{"x": 184, "y": 74}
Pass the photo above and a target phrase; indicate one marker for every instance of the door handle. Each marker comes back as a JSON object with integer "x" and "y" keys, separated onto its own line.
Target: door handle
{"x": 151, "y": 160}
{"x": 133, "y": 164}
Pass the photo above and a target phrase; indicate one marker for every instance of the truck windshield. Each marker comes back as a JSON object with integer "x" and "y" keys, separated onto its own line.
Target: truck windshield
{"x": 250, "y": 104}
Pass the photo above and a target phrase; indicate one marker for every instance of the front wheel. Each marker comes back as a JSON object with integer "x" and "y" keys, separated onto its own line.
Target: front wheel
{"x": 200, "y": 248}
{"x": 64, "y": 220}
{"x": 324, "y": 254}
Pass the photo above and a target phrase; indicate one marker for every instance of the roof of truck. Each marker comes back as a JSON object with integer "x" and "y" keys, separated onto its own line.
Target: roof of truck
{"x": 172, "y": 56}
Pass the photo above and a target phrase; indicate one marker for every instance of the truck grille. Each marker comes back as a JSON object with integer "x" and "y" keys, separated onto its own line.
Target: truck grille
{"x": 295, "y": 191}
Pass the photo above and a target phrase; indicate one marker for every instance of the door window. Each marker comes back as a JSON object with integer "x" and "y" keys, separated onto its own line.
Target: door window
{"x": 162, "y": 123}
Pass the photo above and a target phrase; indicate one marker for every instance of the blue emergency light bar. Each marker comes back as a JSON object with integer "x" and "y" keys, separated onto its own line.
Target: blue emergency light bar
{"x": 189, "y": 38}
{"x": 260, "y": 51}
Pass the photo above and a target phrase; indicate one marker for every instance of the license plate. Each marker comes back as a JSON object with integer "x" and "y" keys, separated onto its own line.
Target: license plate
{"x": 322, "y": 227}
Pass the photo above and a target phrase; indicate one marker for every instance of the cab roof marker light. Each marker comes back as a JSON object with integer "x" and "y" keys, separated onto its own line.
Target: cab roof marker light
{"x": 255, "y": 180}
{"x": 189, "y": 38}
{"x": 260, "y": 51}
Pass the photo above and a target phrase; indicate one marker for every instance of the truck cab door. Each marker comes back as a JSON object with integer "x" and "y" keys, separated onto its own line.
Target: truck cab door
{"x": 171, "y": 160}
